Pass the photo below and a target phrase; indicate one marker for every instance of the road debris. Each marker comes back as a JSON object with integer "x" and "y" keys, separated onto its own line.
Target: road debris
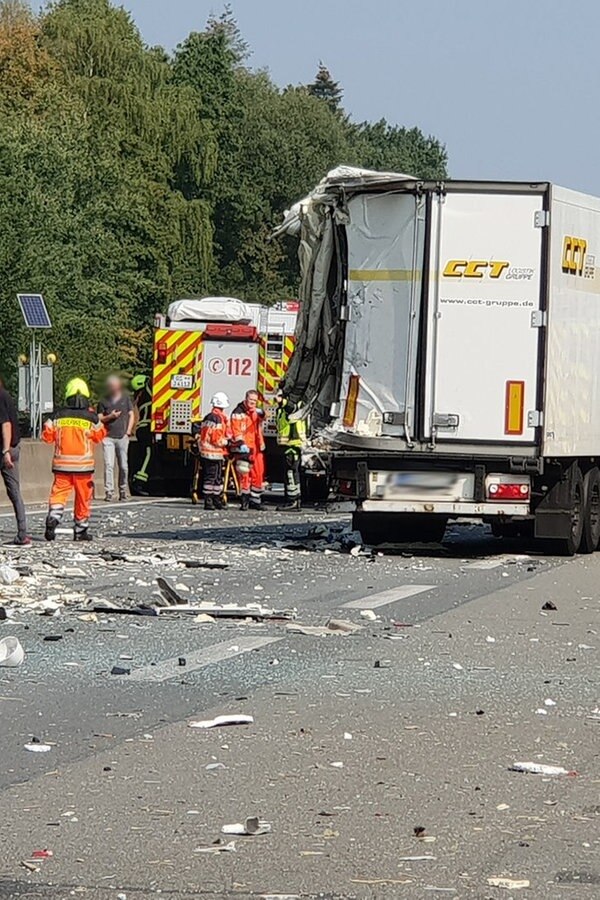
{"x": 251, "y": 826}
{"x": 332, "y": 626}
{"x": 222, "y": 721}
{"x": 11, "y": 652}
{"x": 549, "y": 606}
{"x": 368, "y": 614}
{"x": 225, "y": 611}
{"x": 217, "y": 848}
{"x": 120, "y": 670}
{"x": 509, "y": 884}
{"x": 36, "y": 746}
{"x": 8, "y": 575}
{"x": 532, "y": 768}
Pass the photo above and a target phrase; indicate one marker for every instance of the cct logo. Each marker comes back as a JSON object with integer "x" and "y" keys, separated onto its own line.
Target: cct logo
{"x": 574, "y": 255}
{"x": 474, "y": 268}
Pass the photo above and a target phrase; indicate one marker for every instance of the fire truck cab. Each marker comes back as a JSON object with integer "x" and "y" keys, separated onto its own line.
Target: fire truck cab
{"x": 207, "y": 345}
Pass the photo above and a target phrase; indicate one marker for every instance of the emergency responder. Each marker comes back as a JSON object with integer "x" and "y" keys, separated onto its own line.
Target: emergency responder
{"x": 214, "y": 438}
{"x": 73, "y": 431}
{"x": 142, "y": 448}
{"x": 247, "y": 429}
{"x": 291, "y": 435}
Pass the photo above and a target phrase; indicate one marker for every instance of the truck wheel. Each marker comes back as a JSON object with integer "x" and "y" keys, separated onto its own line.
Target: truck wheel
{"x": 590, "y": 539}
{"x": 570, "y": 545}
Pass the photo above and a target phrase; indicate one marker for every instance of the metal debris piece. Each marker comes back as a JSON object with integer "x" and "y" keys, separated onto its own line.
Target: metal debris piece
{"x": 509, "y": 884}
{"x": 176, "y": 603}
{"x": 251, "y": 826}
{"x": 221, "y": 721}
{"x": 217, "y": 848}
{"x": 532, "y": 768}
{"x": 333, "y": 626}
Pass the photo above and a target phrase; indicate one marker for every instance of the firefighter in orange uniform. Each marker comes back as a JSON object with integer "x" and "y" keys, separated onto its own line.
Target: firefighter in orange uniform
{"x": 214, "y": 437}
{"x": 247, "y": 427}
{"x": 73, "y": 431}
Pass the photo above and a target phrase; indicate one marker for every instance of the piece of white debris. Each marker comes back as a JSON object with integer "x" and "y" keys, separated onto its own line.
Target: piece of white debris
{"x": 221, "y": 721}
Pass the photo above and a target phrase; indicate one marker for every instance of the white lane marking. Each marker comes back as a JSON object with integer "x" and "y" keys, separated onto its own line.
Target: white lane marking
{"x": 35, "y": 509}
{"x": 372, "y": 601}
{"x": 170, "y": 668}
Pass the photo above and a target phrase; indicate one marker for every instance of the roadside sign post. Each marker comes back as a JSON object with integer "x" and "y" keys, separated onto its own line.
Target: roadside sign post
{"x": 36, "y": 318}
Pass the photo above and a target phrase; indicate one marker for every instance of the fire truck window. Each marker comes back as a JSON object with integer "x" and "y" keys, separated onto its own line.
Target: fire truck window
{"x": 275, "y": 346}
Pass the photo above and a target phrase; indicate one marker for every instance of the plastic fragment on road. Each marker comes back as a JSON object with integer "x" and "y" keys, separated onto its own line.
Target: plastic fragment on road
{"x": 37, "y": 747}
{"x": 8, "y": 575}
{"x": 333, "y": 626}
{"x": 120, "y": 670}
{"x": 251, "y": 826}
{"x": 42, "y": 854}
{"x": 222, "y": 721}
{"x": 11, "y": 652}
{"x": 368, "y": 614}
{"x": 533, "y": 768}
{"x": 217, "y": 848}
{"x": 509, "y": 884}
{"x": 549, "y": 606}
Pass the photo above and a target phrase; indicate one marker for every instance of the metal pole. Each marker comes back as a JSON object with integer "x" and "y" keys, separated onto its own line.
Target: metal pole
{"x": 35, "y": 387}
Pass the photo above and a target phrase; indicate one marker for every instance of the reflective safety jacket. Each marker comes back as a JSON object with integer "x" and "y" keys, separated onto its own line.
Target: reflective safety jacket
{"x": 290, "y": 433}
{"x": 215, "y": 434}
{"x": 73, "y": 433}
{"x": 143, "y": 408}
{"x": 247, "y": 427}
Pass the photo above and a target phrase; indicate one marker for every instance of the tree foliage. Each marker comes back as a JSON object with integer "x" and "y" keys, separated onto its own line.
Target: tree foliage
{"x": 129, "y": 176}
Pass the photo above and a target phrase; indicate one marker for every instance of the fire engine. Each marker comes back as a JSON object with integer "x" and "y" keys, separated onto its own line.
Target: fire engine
{"x": 207, "y": 345}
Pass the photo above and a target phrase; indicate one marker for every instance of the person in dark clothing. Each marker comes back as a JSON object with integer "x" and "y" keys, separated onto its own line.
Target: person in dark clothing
{"x": 9, "y": 466}
{"x": 116, "y": 413}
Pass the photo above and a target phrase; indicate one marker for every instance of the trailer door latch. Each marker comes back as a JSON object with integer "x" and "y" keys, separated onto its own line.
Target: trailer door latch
{"x": 446, "y": 420}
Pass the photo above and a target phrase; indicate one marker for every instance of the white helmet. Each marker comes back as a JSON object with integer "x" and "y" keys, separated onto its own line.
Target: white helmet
{"x": 220, "y": 400}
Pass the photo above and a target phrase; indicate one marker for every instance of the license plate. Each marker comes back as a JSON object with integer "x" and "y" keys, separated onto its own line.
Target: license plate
{"x": 182, "y": 382}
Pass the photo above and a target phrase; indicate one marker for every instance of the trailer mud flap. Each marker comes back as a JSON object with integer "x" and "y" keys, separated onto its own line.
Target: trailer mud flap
{"x": 554, "y": 514}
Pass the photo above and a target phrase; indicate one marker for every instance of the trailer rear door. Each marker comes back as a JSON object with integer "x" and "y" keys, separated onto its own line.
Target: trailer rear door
{"x": 481, "y": 351}
{"x": 228, "y": 366}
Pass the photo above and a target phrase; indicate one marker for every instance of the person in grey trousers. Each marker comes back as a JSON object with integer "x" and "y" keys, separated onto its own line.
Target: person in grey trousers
{"x": 117, "y": 416}
{"x": 9, "y": 466}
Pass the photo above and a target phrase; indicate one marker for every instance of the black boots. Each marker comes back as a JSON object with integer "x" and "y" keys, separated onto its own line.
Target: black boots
{"x": 82, "y": 535}
{"x": 290, "y": 506}
{"x": 245, "y": 504}
{"x": 50, "y": 532}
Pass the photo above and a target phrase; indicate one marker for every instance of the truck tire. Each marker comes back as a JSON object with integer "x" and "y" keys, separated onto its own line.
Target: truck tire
{"x": 570, "y": 545}
{"x": 395, "y": 528}
{"x": 590, "y": 539}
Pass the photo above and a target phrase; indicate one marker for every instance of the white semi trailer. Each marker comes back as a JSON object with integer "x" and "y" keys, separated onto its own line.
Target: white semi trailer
{"x": 448, "y": 349}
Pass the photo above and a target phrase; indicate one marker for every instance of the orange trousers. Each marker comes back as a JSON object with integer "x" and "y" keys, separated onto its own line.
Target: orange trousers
{"x": 63, "y": 484}
{"x": 252, "y": 482}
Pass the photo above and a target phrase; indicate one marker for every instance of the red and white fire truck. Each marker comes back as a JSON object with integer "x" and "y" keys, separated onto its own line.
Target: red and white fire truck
{"x": 209, "y": 345}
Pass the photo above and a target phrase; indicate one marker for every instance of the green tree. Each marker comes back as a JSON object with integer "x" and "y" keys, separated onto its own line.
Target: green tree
{"x": 391, "y": 148}
{"x": 326, "y": 89}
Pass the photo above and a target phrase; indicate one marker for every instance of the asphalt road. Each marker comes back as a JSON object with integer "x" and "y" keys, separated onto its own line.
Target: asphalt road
{"x": 425, "y": 707}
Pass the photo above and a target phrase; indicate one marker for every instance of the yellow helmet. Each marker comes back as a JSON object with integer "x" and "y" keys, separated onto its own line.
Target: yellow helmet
{"x": 77, "y": 386}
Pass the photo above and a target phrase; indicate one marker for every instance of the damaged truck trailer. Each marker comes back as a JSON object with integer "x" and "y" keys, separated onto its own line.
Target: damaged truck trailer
{"x": 448, "y": 350}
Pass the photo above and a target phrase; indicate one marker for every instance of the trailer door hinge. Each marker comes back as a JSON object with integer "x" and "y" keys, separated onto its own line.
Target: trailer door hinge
{"x": 535, "y": 418}
{"x": 539, "y": 318}
{"x": 541, "y": 218}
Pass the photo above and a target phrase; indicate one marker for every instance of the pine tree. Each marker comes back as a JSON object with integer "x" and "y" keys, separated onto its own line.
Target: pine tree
{"x": 326, "y": 89}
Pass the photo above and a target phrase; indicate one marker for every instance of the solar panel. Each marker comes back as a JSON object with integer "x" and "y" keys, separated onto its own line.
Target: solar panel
{"x": 34, "y": 311}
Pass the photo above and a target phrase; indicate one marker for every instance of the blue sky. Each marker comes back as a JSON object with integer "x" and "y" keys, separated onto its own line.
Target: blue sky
{"x": 511, "y": 88}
